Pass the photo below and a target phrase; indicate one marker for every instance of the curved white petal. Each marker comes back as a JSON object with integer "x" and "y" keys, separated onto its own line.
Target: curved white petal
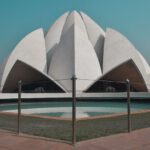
{"x": 2, "y": 67}
{"x": 145, "y": 64}
{"x": 53, "y": 35}
{"x": 28, "y": 75}
{"x": 30, "y": 50}
{"x": 118, "y": 49}
{"x": 75, "y": 55}
{"x": 76, "y": 45}
{"x": 74, "y": 18}
{"x": 96, "y": 35}
{"x": 126, "y": 70}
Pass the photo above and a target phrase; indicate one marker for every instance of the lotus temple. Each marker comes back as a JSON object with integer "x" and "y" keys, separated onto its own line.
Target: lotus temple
{"x": 74, "y": 45}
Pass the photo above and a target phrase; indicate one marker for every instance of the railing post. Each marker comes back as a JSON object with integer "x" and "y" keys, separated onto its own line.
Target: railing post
{"x": 74, "y": 110}
{"x": 19, "y": 104}
{"x": 128, "y": 105}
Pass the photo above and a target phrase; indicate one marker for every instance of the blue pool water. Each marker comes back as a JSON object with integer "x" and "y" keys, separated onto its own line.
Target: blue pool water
{"x": 84, "y": 109}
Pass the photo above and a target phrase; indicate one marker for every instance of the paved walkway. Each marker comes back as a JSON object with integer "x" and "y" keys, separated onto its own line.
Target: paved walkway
{"x": 137, "y": 140}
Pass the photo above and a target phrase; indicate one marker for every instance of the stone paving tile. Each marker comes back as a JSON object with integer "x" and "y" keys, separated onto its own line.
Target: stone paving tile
{"x": 13, "y": 142}
{"x": 136, "y": 140}
{"x": 4, "y": 148}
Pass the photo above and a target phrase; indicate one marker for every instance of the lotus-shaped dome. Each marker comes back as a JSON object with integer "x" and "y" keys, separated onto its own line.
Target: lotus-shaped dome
{"x": 74, "y": 45}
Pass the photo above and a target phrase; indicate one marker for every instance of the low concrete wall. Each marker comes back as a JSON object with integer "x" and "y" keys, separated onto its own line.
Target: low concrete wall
{"x": 121, "y": 95}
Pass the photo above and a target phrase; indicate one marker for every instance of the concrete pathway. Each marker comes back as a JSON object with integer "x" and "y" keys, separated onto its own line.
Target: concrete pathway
{"x": 137, "y": 140}
{"x": 9, "y": 141}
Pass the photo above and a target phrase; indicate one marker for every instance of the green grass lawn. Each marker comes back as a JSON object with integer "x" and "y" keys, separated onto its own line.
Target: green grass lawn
{"x": 86, "y": 129}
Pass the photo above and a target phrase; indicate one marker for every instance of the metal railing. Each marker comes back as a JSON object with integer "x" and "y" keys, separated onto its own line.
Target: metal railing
{"x": 126, "y": 83}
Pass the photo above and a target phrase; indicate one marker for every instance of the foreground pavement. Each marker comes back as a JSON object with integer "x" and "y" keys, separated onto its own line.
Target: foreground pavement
{"x": 137, "y": 140}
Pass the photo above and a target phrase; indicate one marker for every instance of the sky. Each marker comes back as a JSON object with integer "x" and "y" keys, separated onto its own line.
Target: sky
{"x": 20, "y": 17}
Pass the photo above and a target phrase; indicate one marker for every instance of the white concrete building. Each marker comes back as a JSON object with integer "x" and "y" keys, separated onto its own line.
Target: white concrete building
{"x": 74, "y": 45}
